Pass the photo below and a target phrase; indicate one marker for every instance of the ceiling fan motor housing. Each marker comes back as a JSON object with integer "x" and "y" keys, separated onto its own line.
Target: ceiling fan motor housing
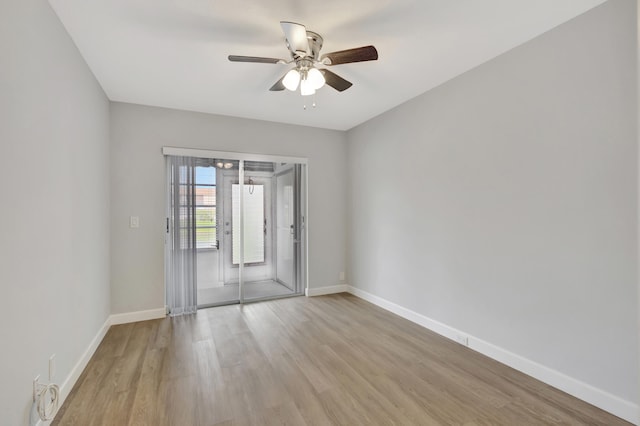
{"x": 315, "y": 44}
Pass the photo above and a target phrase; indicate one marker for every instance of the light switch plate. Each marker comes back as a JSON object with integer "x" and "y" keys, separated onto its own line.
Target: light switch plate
{"x": 134, "y": 222}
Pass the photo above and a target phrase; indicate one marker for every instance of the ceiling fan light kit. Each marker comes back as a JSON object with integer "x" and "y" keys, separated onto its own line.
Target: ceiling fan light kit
{"x": 304, "y": 47}
{"x": 310, "y": 79}
{"x": 306, "y": 88}
{"x": 291, "y": 80}
{"x": 315, "y": 78}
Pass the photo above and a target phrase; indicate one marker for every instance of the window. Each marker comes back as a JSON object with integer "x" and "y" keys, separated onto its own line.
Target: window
{"x": 205, "y": 189}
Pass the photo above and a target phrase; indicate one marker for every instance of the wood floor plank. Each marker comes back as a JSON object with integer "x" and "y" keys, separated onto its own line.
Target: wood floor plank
{"x": 212, "y": 403}
{"x": 285, "y": 414}
{"x": 361, "y": 390}
{"x": 300, "y": 390}
{"x": 143, "y": 411}
{"x": 329, "y": 360}
{"x": 177, "y": 402}
{"x": 85, "y": 392}
{"x": 118, "y": 337}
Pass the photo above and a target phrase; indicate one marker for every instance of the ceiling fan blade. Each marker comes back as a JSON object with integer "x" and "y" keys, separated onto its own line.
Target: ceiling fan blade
{"x": 296, "y": 35}
{"x": 335, "y": 81}
{"x": 236, "y": 58}
{"x": 358, "y": 54}
{"x": 279, "y": 85}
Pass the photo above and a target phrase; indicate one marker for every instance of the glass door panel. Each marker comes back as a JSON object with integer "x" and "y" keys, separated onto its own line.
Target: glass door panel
{"x": 281, "y": 229}
{"x": 256, "y": 216}
{"x": 213, "y": 289}
{"x": 285, "y": 229}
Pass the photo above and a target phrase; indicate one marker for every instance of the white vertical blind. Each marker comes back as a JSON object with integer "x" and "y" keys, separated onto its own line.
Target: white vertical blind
{"x": 181, "y": 251}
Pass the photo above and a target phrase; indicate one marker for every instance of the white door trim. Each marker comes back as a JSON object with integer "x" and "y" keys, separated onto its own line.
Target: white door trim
{"x": 247, "y": 156}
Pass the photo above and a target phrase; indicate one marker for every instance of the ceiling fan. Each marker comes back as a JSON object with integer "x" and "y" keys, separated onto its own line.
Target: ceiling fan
{"x": 305, "y": 48}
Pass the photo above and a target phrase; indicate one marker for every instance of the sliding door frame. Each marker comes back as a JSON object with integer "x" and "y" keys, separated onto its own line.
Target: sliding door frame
{"x": 245, "y": 156}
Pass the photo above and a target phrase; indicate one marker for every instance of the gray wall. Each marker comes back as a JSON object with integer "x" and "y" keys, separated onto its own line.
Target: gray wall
{"x": 503, "y": 203}
{"x": 137, "y": 188}
{"x": 54, "y": 272}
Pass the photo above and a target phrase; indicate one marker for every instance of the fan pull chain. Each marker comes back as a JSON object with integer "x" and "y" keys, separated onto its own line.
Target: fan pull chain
{"x": 313, "y": 103}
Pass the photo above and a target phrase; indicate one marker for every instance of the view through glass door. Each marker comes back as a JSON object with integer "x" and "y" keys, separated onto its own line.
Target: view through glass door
{"x": 251, "y": 210}
{"x": 211, "y": 288}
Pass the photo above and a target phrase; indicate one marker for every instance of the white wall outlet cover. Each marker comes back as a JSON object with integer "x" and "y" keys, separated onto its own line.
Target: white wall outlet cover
{"x": 134, "y": 222}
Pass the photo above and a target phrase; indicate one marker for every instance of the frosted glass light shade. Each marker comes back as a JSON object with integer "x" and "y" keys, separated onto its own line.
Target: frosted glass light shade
{"x": 291, "y": 80}
{"x": 306, "y": 88}
{"x": 315, "y": 78}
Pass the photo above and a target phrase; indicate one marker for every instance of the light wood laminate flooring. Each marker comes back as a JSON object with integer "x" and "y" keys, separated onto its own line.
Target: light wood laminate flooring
{"x": 329, "y": 360}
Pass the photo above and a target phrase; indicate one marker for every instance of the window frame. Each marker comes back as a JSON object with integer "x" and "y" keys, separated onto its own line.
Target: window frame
{"x": 214, "y": 206}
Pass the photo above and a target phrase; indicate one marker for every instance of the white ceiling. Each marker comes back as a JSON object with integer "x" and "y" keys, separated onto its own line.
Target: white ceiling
{"x": 173, "y": 53}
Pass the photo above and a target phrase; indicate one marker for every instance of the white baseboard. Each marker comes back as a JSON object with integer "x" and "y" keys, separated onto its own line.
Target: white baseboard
{"x": 138, "y": 316}
{"x": 601, "y": 399}
{"x": 320, "y": 291}
{"x": 77, "y": 369}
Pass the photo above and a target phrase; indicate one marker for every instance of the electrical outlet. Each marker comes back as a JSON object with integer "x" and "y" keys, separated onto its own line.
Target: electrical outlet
{"x": 134, "y": 222}
{"x": 52, "y": 367}
{"x": 462, "y": 339}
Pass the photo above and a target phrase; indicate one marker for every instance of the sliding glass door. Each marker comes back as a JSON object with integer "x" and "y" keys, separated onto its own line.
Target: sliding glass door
{"x": 212, "y": 233}
{"x": 288, "y": 227}
{"x": 248, "y": 220}
{"x": 285, "y": 229}
{"x": 271, "y": 262}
